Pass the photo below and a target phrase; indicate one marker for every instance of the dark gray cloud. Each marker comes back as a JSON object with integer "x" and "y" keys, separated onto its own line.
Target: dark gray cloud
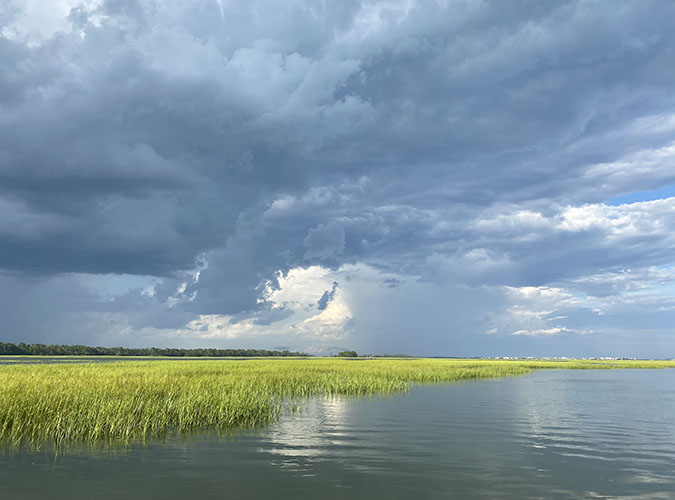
{"x": 327, "y": 297}
{"x": 463, "y": 142}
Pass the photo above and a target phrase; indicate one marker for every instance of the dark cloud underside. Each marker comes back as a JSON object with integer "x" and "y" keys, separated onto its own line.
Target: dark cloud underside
{"x": 453, "y": 143}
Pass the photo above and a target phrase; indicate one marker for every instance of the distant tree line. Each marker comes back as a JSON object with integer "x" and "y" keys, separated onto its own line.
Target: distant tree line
{"x": 83, "y": 350}
{"x": 347, "y": 354}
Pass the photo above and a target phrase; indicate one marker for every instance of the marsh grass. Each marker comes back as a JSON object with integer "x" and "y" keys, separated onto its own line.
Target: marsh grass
{"x": 125, "y": 402}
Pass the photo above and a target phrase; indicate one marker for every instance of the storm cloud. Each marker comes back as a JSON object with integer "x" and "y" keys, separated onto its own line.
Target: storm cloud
{"x": 434, "y": 177}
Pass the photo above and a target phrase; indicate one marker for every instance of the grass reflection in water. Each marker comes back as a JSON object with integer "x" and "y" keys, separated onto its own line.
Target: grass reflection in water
{"x": 130, "y": 401}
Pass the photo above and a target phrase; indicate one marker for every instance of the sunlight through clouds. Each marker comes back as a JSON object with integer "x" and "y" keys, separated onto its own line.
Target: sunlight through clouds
{"x": 420, "y": 177}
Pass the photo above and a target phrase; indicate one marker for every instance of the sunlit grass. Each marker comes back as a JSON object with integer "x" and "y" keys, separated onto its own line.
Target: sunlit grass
{"x": 135, "y": 400}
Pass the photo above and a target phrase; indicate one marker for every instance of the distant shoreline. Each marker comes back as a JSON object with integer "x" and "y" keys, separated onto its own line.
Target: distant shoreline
{"x": 21, "y": 349}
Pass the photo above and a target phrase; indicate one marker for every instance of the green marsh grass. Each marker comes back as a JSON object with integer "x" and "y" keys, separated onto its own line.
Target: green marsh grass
{"x": 129, "y": 401}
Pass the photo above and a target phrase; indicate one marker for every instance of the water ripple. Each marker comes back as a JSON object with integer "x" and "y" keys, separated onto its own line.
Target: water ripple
{"x": 551, "y": 434}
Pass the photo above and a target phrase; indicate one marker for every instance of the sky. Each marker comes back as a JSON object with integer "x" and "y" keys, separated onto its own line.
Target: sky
{"x": 437, "y": 178}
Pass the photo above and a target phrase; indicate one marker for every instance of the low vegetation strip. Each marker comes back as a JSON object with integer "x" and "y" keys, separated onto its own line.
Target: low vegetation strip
{"x": 129, "y": 401}
{"x": 21, "y": 349}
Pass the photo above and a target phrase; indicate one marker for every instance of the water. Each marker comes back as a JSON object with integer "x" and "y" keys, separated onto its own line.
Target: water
{"x": 550, "y": 434}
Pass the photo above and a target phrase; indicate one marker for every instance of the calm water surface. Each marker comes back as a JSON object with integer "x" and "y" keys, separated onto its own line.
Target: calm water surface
{"x": 551, "y": 434}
